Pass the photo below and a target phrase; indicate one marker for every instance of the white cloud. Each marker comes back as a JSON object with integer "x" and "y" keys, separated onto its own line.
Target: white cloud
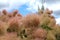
{"x": 3, "y": 1}
{"x": 33, "y": 5}
{"x": 17, "y": 3}
{"x": 3, "y": 4}
{"x": 54, "y": 7}
{"x": 13, "y": 4}
{"x": 57, "y": 20}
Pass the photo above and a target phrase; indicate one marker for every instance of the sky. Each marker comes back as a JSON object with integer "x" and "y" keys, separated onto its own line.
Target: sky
{"x": 26, "y": 6}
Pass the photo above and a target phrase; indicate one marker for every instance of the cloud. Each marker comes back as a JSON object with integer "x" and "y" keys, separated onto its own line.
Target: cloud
{"x": 4, "y": 1}
{"x": 3, "y": 4}
{"x": 32, "y": 4}
{"x": 13, "y": 4}
{"x": 17, "y": 3}
{"x": 54, "y": 7}
{"x": 51, "y": 4}
{"x": 57, "y": 20}
{"x": 57, "y": 13}
{"x": 52, "y": 1}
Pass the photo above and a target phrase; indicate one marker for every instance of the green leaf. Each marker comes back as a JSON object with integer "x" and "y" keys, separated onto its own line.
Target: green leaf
{"x": 46, "y": 27}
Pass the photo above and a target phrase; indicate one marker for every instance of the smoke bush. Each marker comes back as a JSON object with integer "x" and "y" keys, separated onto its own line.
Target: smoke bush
{"x": 29, "y": 23}
{"x": 3, "y": 28}
{"x": 14, "y": 23}
{"x": 40, "y": 33}
{"x": 50, "y": 36}
{"x": 31, "y": 20}
{"x": 4, "y": 12}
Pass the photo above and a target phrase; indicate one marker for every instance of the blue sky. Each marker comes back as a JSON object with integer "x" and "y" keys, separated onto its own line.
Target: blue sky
{"x": 26, "y": 6}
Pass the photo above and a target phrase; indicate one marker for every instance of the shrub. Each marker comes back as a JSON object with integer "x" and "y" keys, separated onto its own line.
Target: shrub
{"x": 50, "y": 36}
{"x": 31, "y": 20}
{"x": 13, "y": 24}
{"x": 3, "y": 28}
{"x": 40, "y": 33}
{"x": 15, "y": 12}
{"x": 4, "y": 12}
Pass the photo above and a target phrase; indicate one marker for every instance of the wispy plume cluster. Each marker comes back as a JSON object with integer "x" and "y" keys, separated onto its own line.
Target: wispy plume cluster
{"x": 39, "y": 26}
